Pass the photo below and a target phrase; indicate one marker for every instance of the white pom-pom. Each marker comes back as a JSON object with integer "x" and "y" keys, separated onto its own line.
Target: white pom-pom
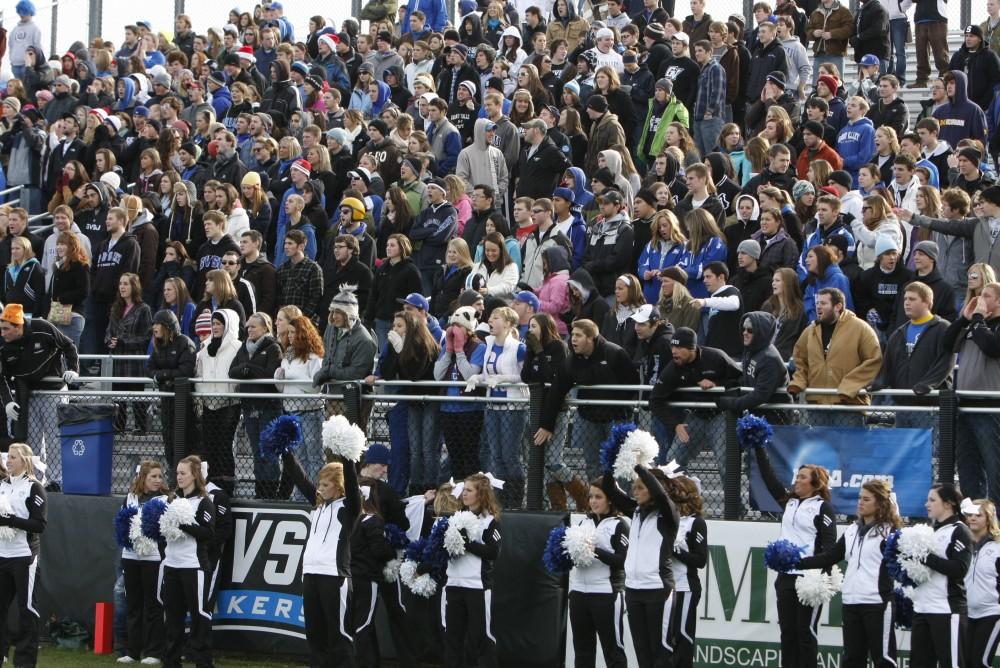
{"x": 424, "y": 586}
{"x": 391, "y": 571}
{"x": 407, "y": 572}
{"x": 816, "y": 588}
{"x": 836, "y": 580}
{"x": 579, "y": 544}
{"x": 7, "y": 534}
{"x": 453, "y": 541}
{"x": 142, "y": 545}
{"x": 180, "y": 512}
{"x": 640, "y": 447}
{"x": 915, "y": 543}
{"x": 340, "y": 437}
{"x": 680, "y": 545}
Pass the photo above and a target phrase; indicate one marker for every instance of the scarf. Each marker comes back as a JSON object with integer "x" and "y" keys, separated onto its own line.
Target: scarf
{"x": 213, "y": 346}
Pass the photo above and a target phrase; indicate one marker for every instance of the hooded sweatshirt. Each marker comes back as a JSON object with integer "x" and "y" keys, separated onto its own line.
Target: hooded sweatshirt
{"x": 216, "y": 357}
{"x": 127, "y": 100}
{"x": 856, "y": 145}
{"x": 49, "y": 253}
{"x": 763, "y": 368}
{"x": 959, "y": 118}
{"x": 92, "y": 221}
{"x": 111, "y": 260}
{"x": 553, "y": 295}
{"x": 480, "y": 163}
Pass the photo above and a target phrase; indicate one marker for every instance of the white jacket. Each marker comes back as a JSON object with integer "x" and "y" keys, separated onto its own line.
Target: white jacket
{"x": 216, "y": 367}
{"x": 500, "y": 284}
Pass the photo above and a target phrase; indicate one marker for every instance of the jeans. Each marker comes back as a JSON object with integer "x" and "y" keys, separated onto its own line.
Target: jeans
{"x": 897, "y": 45}
{"x": 31, "y": 199}
{"x": 977, "y": 457}
{"x": 706, "y": 133}
{"x": 44, "y": 430}
{"x": 399, "y": 454}
{"x": 587, "y": 438}
{"x": 555, "y": 467}
{"x": 425, "y": 445}
{"x": 702, "y": 430}
{"x": 427, "y": 275}
{"x": 17, "y": 71}
{"x": 74, "y": 330}
{"x": 266, "y": 472}
{"x": 505, "y": 434}
{"x": 382, "y": 328}
{"x": 310, "y": 454}
{"x": 97, "y": 315}
{"x": 819, "y": 60}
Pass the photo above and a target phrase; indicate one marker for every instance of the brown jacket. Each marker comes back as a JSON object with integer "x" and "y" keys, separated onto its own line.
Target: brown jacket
{"x": 730, "y": 62}
{"x": 573, "y": 32}
{"x": 604, "y": 133}
{"x": 839, "y": 23}
{"x": 851, "y": 364}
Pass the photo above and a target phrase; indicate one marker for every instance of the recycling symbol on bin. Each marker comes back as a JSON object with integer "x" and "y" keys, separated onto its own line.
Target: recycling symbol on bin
{"x": 79, "y": 448}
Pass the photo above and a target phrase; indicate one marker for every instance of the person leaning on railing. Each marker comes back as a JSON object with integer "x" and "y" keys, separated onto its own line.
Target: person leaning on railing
{"x": 172, "y": 357}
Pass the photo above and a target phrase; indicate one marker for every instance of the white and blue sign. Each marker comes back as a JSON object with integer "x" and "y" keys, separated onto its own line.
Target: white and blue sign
{"x": 853, "y": 456}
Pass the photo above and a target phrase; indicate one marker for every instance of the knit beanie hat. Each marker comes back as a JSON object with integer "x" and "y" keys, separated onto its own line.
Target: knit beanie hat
{"x": 346, "y": 302}
{"x": 885, "y": 243}
{"x": 801, "y": 189}
{"x": 203, "y": 325}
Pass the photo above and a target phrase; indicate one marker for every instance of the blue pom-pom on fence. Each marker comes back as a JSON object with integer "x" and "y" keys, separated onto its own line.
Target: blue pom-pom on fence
{"x": 753, "y": 431}
{"x": 396, "y": 537}
{"x": 613, "y": 443}
{"x": 152, "y": 511}
{"x": 555, "y": 557}
{"x": 783, "y": 555}
{"x": 123, "y": 526}
{"x": 283, "y": 434}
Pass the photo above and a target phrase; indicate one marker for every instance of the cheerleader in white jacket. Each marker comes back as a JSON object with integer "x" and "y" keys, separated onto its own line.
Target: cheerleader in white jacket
{"x": 982, "y": 583}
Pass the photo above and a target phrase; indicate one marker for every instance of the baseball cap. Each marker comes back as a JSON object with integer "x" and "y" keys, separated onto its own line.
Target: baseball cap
{"x": 684, "y": 337}
{"x": 869, "y": 60}
{"x": 645, "y": 313}
{"x": 529, "y": 298}
{"x": 417, "y": 300}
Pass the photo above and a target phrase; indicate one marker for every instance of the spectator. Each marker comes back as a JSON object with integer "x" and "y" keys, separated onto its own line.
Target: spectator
{"x": 830, "y": 223}
{"x": 341, "y": 266}
{"x": 785, "y": 304}
{"x": 682, "y": 432}
{"x": 752, "y": 280}
{"x": 931, "y": 28}
{"x": 116, "y": 255}
{"x": 977, "y": 228}
{"x": 299, "y": 279}
{"x": 799, "y": 65}
{"x": 220, "y": 293}
{"x": 778, "y": 172}
{"x": 70, "y": 286}
{"x": 24, "y": 279}
{"x": 705, "y": 245}
{"x": 433, "y": 227}
{"x": 878, "y": 286}
{"x": 62, "y": 219}
{"x": 823, "y": 273}
{"x": 353, "y": 212}
{"x": 701, "y": 195}
{"x": 605, "y": 130}
{"x": 540, "y": 163}
{"x": 815, "y": 148}
{"x": 856, "y": 141}
{"x": 609, "y": 244}
{"x": 553, "y": 294}
{"x": 652, "y": 353}
{"x": 301, "y": 362}
{"x": 217, "y": 244}
{"x": 496, "y": 275}
{"x": 172, "y": 356}
{"x": 959, "y": 118}
{"x": 974, "y": 337}
{"x": 925, "y": 256}
{"x": 675, "y": 300}
{"x": 244, "y": 289}
{"x": 721, "y": 309}
{"x": 258, "y": 359}
{"x": 128, "y": 333}
{"x": 877, "y": 223}
{"x": 968, "y": 176}
{"x": 617, "y": 327}
{"x": 890, "y": 110}
{"x": 461, "y": 422}
{"x": 710, "y": 104}
{"x": 393, "y": 280}
{"x": 831, "y": 24}
{"x": 256, "y": 269}
{"x": 666, "y": 248}
{"x": 593, "y": 361}
{"x": 957, "y": 253}
{"x": 763, "y": 366}
{"x": 838, "y": 351}
{"x": 220, "y": 414}
{"x": 777, "y": 248}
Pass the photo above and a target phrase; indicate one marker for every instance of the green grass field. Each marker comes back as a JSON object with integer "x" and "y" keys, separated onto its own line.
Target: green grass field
{"x": 52, "y": 657}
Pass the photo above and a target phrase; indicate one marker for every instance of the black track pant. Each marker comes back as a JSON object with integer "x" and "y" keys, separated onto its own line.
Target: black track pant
{"x": 468, "y": 636}
{"x": 401, "y": 631}
{"x": 868, "y": 632}
{"x": 647, "y": 620}
{"x": 797, "y": 624}
{"x": 214, "y": 570}
{"x": 936, "y": 640}
{"x": 598, "y": 616}
{"x": 17, "y": 581}
{"x": 146, "y": 633}
{"x": 183, "y": 592}
{"x": 981, "y": 638}
{"x": 682, "y": 627}
{"x": 326, "y": 602}
{"x": 363, "y": 606}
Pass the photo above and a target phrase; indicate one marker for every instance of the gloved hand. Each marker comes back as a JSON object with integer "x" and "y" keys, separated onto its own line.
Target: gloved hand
{"x": 70, "y": 377}
{"x": 534, "y": 345}
{"x": 465, "y": 537}
{"x": 473, "y": 381}
{"x": 921, "y": 389}
{"x": 492, "y": 381}
{"x": 396, "y": 341}
{"x": 449, "y": 340}
{"x": 13, "y": 410}
{"x": 459, "y": 338}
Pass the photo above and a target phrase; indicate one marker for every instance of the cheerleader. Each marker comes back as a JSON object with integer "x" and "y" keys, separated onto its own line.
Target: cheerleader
{"x": 867, "y": 591}
{"x": 649, "y": 581}
{"x": 465, "y": 603}
{"x": 690, "y": 554}
{"x": 939, "y": 605}
{"x": 19, "y": 555}
{"x": 326, "y": 560}
{"x": 807, "y": 521}
{"x": 370, "y": 552}
{"x": 223, "y": 532}
{"x": 184, "y": 583}
{"x": 983, "y": 632}
{"x": 597, "y": 592}
{"x": 142, "y": 576}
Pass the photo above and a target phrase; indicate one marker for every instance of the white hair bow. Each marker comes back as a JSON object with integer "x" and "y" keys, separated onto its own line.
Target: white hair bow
{"x": 204, "y": 470}
{"x": 495, "y": 483}
{"x": 672, "y": 469}
{"x": 366, "y": 491}
{"x": 969, "y": 507}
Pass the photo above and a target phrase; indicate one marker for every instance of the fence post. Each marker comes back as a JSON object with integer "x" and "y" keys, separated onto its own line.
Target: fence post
{"x": 54, "y": 27}
{"x": 183, "y": 413}
{"x": 536, "y": 454}
{"x": 352, "y": 402}
{"x": 947, "y": 427}
{"x": 965, "y": 13}
{"x": 734, "y": 470}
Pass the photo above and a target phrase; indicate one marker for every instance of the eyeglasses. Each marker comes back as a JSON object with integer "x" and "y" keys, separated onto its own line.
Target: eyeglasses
{"x": 230, "y": 263}
{"x": 355, "y": 178}
{"x": 748, "y": 330}
{"x": 339, "y": 246}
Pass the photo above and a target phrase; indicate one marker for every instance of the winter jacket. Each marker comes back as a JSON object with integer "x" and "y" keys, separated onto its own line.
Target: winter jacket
{"x": 926, "y": 367}
{"x": 540, "y": 174}
{"x": 573, "y": 29}
{"x": 839, "y": 22}
{"x": 832, "y": 278}
{"x": 605, "y": 132}
{"x": 608, "y": 364}
{"x": 349, "y": 354}
{"x": 866, "y": 239}
{"x": 982, "y": 67}
{"x": 824, "y": 152}
{"x": 709, "y": 364}
{"x": 977, "y": 343}
{"x": 819, "y": 237}
{"x": 132, "y": 330}
{"x": 778, "y": 251}
{"x": 961, "y": 118}
{"x": 755, "y": 287}
{"x": 985, "y": 248}
{"x": 433, "y": 228}
{"x": 260, "y": 365}
{"x": 592, "y": 306}
{"x": 766, "y": 59}
{"x": 694, "y": 264}
{"x": 763, "y": 368}
{"x": 213, "y": 369}
{"x": 894, "y": 115}
{"x": 109, "y": 263}
{"x": 70, "y": 287}
{"x": 25, "y": 285}
{"x": 173, "y": 360}
{"x": 849, "y": 365}
{"x": 42, "y": 352}
{"x": 673, "y": 111}
{"x": 656, "y": 257}
{"x": 944, "y": 297}
{"x": 553, "y": 294}
{"x": 871, "y": 30}
{"x": 392, "y": 282}
{"x": 609, "y": 252}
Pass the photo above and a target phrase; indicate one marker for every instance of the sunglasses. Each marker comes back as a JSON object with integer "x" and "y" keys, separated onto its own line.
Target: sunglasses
{"x": 974, "y": 277}
{"x": 230, "y": 263}
{"x": 748, "y": 330}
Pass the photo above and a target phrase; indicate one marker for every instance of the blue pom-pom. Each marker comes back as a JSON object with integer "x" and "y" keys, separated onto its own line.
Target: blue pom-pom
{"x": 892, "y": 565}
{"x": 783, "y": 555}
{"x": 904, "y": 609}
{"x": 396, "y": 537}
{"x": 613, "y": 443}
{"x": 753, "y": 431}
{"x": 152, "y": 511}
{"x": 555, "y": 558}
{"x": 415, "y": 550}
{"x": 123, "y": 525}
{"x": 434, "y": 552}
{"x": 281, "y": 435}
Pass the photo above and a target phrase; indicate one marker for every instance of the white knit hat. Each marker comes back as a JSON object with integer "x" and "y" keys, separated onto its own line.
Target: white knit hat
{"x": 346, "y": 302}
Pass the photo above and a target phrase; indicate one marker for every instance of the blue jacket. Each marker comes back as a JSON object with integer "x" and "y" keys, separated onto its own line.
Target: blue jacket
{"x": 856, "y": 145}
{"x": 655, "y": 259}
{"x": 222, "y": 100}
{"x": 435, "y": 10}
{"x": 837, "y": 116}
{"x": 959, "y": 118}
{"x": 833, "y": 278}
{"x": 127, "y": 100}
{"x": 433, "y": 228}
{"x": 279, "y": 244}
{"x": 819, "y": 237}
{"x": 264, "y": 60}
{"x": 694, "y": 265}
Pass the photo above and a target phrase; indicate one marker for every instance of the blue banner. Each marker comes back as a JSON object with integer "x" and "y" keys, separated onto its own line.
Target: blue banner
{"x": 852, "y": 456}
